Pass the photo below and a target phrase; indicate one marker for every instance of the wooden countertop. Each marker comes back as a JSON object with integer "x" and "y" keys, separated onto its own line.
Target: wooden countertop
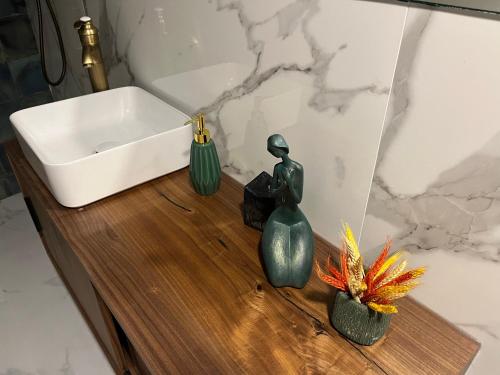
{"x": 182, "y": 276}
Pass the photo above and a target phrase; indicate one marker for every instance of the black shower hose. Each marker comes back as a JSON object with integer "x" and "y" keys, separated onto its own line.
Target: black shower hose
{"x": 42, "y": 47}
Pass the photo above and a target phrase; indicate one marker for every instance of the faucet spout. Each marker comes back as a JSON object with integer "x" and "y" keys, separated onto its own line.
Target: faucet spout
{"x": 91, "y": 54}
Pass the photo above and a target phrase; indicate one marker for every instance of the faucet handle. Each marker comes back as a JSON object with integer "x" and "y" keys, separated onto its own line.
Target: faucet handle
{"x": 81, "y": 22}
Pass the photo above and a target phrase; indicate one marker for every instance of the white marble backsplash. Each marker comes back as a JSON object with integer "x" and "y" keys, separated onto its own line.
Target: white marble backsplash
{"x": 436, "y": 188}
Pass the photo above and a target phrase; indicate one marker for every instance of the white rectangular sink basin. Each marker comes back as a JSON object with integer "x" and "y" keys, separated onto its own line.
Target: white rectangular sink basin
{"x": 93, "y": 146}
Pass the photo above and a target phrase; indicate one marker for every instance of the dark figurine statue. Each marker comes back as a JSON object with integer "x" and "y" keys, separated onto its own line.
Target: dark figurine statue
{"x": 287, "y": 241}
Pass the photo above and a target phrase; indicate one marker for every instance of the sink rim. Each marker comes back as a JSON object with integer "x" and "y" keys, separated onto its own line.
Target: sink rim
{"x": 22, "y": 129}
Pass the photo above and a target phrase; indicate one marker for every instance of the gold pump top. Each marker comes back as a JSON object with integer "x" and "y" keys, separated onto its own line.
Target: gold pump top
{"x": 202, "y": 135}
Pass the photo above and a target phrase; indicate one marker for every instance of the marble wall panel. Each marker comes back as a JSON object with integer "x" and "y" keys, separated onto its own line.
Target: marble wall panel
{"x": 436, "y": 188}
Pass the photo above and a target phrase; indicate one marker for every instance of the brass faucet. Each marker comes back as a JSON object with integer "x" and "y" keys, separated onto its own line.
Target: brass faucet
{"x": 91, "y": 53}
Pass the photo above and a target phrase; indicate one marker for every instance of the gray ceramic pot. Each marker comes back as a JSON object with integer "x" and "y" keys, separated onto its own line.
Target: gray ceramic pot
{"x": 356, "y": 321}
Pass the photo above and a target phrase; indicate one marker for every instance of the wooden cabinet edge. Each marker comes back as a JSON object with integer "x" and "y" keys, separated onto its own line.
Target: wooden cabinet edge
{"x": 122, "y": 360}
{"x": 118, "y": 360}
{"x": 122, "y": 346}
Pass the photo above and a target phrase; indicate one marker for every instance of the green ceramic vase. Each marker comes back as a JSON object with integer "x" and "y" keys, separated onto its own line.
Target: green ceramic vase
{"x": 204, "y": 168}
{"x": 357, "y": 321}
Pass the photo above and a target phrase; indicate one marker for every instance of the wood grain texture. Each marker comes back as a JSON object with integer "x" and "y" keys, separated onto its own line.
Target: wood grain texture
{"x": 181, "y": 274}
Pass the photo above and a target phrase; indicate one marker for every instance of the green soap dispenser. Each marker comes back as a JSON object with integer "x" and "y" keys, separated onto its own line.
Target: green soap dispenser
{"x": 204, "y": 167}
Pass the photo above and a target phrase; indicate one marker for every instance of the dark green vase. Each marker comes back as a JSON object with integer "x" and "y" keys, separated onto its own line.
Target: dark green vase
{"x": 357, "y": 321}
{"x": 204, "y": 168}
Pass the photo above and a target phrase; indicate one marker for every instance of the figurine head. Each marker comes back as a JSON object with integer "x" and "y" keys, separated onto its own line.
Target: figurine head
{"x": 277, "y": 145}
